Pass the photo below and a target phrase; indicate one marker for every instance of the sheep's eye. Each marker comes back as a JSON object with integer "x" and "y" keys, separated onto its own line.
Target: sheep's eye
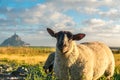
{"x": 61, "y": 35}
{"x": 69, "y": 35}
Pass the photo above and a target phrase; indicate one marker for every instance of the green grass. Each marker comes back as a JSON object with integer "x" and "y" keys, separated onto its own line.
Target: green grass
{"x": 33, "y": 59}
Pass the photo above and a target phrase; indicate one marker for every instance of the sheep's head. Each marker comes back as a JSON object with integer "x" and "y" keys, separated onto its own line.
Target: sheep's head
{"x": 64, "y": 39}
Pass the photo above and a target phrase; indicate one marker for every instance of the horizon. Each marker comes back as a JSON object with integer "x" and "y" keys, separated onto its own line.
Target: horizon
{"x": 98, "y": 19}
{"x": 112, "y": 47}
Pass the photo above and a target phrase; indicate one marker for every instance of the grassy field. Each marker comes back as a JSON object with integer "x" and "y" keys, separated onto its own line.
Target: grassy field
{"x": 25, "y": 55}
{"x": 34, "y": 57}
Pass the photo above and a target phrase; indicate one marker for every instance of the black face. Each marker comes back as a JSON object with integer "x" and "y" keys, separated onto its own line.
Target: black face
{"x": 64, "y": 39}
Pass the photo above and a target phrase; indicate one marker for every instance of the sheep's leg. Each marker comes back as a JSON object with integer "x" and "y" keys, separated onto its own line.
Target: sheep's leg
{"x": 109, "y": 72}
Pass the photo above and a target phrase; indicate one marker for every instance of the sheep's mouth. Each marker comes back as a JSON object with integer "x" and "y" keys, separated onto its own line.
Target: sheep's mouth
{"x": 64, "y": 52}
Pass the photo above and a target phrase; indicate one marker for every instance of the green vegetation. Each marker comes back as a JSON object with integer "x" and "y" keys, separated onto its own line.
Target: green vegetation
{"x": 33, "y": 59}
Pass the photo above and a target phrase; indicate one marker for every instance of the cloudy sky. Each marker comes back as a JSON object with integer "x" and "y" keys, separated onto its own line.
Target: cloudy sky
{"x": 98, "y": 19}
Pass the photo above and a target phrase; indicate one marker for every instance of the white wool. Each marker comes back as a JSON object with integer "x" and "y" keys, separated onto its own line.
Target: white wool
{"x": 87, "y": 61}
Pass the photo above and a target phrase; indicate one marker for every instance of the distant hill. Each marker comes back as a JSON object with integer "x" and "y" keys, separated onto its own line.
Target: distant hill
{"x": 14, "y": 40}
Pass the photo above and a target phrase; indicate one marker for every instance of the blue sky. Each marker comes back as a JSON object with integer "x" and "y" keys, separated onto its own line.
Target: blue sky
{"x": 98, "y": 19}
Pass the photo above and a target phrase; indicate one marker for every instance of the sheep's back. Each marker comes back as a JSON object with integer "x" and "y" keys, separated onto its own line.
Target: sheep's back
{"x": 103, "y": 57}
{"x": 100, "y": 50}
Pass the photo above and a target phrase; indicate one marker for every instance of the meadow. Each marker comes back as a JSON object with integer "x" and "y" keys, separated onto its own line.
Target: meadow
{"x": 33, "y": 59}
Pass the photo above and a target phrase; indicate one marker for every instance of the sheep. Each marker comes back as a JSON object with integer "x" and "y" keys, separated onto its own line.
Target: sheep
{"x": 48, "y": 66}
{"x": 86, "y": 61}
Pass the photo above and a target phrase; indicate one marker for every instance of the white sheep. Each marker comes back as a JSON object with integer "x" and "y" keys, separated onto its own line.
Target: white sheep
{"x": 86, "y": 61}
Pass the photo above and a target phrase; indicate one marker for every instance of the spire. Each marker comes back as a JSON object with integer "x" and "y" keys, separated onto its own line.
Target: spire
{"x": 15, "y": 33}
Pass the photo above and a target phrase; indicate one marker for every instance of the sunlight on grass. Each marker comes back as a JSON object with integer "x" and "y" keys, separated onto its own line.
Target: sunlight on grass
{"x": 117, "y": 59}
{"x": 25, "y": 55}
{"x": 24, "y": 59}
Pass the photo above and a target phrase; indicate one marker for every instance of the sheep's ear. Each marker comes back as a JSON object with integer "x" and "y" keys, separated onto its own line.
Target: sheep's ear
{"x": 51, "y": 32}
{"x": 78, "y": 36}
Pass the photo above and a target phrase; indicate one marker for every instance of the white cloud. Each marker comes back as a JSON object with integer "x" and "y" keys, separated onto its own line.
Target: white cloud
{"x": 95, "y": 22}
{"x": 103, "y": 18}
{"x": 41, "y": 14}
{"x": 101, "y": 28}
{"x": 53, "y": 11}
{"x": 90, "y": 10}
{"x": 111, "y": 14}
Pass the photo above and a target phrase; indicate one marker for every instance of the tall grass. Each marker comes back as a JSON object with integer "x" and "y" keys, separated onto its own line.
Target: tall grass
{"x": 117, "y": 59}
{"x": 24, "y": 55}
{"x": 26, "y": 50}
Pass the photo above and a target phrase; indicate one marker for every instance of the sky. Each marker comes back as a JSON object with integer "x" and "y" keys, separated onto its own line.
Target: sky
{"x": 98, "y": 19}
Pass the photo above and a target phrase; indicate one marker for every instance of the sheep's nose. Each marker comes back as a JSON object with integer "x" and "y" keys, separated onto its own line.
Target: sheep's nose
{"x": 62, "y": 44}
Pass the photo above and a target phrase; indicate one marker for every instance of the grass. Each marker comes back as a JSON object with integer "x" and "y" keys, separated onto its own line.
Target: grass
{"x": 24, "y": 55}
{"x": 34, "y": 57}
{"x": 117, "y": 59}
